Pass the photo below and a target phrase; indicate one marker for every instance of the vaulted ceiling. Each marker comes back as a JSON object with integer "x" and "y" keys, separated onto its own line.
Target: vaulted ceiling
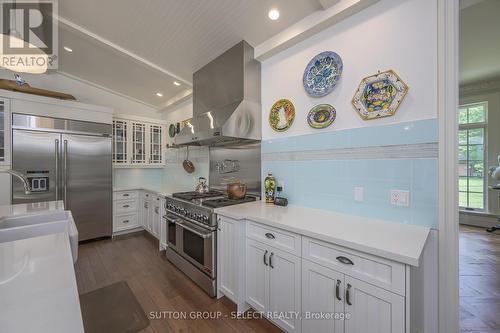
{"x": 138, "y": 48}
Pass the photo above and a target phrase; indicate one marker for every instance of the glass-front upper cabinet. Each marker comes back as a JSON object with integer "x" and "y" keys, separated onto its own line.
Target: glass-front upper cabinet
{"x": 4, "y": 132}
{"x": 155, "y": 144}
{"x": 138, "y": 143}
{"x": 120, "y": 144}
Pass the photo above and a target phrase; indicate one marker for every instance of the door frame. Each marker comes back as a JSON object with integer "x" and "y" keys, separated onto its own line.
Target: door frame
{"x": 447, "y": 78}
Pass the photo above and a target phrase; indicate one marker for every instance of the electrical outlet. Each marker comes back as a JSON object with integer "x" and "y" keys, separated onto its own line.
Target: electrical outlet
{"x": 358, "y": 194}
{"x": 400, "y": 198}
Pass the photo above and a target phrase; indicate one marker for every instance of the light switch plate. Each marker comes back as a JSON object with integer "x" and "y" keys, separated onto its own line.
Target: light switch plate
{"x": 400, "y": 198}
{"x": 358, "y": 194}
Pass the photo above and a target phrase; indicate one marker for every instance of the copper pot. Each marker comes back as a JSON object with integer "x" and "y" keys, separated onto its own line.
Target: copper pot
{"x": 236, "y": 190}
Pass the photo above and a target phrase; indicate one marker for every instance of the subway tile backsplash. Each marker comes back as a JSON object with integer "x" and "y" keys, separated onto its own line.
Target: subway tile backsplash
{"x": 329, "y": 183}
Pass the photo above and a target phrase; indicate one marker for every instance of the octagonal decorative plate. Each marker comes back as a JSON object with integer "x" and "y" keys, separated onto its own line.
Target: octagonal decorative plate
{"x": 322, "y": 74}
{"x": 321, "y": 116}
{"x": 282, "y": 115}
{"x": 379, "y": 95}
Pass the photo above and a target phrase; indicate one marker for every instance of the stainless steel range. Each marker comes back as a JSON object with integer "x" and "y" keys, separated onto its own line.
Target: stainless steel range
{"x": 192, "y": 234}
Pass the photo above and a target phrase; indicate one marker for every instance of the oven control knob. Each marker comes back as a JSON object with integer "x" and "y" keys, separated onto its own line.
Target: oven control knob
{"x": 205, "y": 219}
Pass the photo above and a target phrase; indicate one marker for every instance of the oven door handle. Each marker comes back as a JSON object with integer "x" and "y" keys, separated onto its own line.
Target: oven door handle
{"x": 197, "y": 233}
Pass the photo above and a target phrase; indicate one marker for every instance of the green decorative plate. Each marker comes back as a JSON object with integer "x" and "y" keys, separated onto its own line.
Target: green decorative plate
{"x": 321, "y": 116}
{"x": 282, "y": 115}
{"x": 171, "y": 130}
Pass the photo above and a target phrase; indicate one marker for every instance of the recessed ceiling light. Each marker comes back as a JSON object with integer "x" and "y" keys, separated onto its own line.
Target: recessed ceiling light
{"x": 274, "y": 14}
{"x": 159, "y": 94}
{"x": 68, "y": 49}
{"x": 177, "y": 83}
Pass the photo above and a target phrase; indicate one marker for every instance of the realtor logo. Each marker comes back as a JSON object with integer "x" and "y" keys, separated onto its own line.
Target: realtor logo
{"x": 29, "y": 35}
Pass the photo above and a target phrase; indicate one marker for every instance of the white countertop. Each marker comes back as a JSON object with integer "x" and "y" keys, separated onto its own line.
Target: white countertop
{"x": 395, "y": 241}
{"x": 30, "y": 208}
{"x": 38, "y": 291}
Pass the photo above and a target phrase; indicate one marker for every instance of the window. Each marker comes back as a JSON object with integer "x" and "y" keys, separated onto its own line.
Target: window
{"x": 471, "y": 156}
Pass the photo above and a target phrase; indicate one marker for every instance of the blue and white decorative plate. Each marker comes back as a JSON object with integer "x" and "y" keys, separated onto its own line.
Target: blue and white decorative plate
{"x": 322, "y": 74}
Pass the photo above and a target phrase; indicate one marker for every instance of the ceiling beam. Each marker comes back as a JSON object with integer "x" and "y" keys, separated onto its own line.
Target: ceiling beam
{"x": 75, "y": 27}
{"x": 176, "y": 101}
{"x": 310, "y": 25}
{"x": 327, "y": 3}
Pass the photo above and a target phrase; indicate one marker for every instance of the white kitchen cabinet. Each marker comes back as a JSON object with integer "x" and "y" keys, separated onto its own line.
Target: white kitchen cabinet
{"x": 156, "y": 218}
{"x": 156, "y": 142}
{"x": 285, "y": 289}
{"x": 134, "y": 209}
{"x": 125, "y": 211}
{"x": 138, "y": 144}
{"x": 230, "y": 261}
{"x": 121, "y": 154}
{"x": 274, "y": 284}
{"x": 322, "y": 293}
{"x": 163, "y": 226}
{"x": 372, "y": 309}
{"x": 150, "y": 213}
{"x": 257, "y": 271}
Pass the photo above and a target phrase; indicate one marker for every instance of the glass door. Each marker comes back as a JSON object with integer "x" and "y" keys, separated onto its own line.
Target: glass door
{"x": 155, "y": 148}
{"x": 138, "y": 143}
{"x": 120, "y": 135}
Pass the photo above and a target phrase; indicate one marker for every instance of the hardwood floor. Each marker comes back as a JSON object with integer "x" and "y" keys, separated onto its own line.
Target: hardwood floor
{"x": 158, "y": 286}
{"x": 479, "y": 280}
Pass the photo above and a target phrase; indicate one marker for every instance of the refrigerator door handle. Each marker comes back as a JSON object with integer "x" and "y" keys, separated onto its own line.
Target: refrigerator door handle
{"x": 65, "y": 172}
{"x": 57, "y": 169}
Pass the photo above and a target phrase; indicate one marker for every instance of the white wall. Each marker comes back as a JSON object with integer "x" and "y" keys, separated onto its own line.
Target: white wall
{"x": 392, "y": 34}
{"x": 85, "y": 93}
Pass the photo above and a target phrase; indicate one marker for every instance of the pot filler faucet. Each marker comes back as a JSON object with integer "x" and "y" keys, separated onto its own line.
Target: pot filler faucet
{"x": 27, "y": 187}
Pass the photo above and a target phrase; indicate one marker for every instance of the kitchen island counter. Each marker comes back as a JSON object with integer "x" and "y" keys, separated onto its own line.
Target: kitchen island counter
{"x": 395, "y": 241}
{"x": 38, "y": 291}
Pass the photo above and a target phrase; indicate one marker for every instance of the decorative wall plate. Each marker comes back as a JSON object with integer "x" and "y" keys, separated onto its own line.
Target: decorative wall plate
{"x": 321, "y": 116}
{"x": 379, "y": 95}
{"x": 172, "y": 130}
{"x": 282, "y": 115}
{"x": 322, "y": 74}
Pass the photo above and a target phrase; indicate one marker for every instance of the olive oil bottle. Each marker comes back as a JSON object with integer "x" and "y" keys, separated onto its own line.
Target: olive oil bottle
{"x": 270, "y": 187}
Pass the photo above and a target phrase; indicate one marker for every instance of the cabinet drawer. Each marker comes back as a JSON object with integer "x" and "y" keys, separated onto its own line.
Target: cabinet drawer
{"x": 124, "y": 195}
{"x": 381, "y": 272}
{"x": 280, "y": 239}
{"x": 124, "y": 206}
{"x": 123, "y": 222}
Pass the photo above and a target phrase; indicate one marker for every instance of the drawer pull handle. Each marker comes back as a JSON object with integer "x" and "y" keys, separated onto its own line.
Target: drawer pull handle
{"x": 265, "y": 258}
{"x": 347, "y": 294}
{"x": 126, "y": 195}
{"x": 337, "y": 290}
{"x": 345, "y": 260}
{"x": 271, "y": 260}
{"x": 126, "y": 221}
{"x": 270, "y": 235}
{"x": 126, "y": 206}
{"x": 156, "y": 210}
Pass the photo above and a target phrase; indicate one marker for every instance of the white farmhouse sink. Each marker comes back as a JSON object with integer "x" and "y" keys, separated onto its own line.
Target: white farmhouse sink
{"x": 14, "y": 228}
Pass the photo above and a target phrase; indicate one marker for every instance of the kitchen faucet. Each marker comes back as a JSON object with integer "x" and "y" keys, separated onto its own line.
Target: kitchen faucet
{"x": 27, "y": 187}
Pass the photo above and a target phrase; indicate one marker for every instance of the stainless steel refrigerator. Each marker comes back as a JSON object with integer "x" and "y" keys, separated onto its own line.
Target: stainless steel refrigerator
{"x": 66, "y": 160}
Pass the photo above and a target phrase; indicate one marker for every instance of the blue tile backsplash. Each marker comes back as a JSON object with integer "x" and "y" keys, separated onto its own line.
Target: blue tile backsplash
{"x": 329, "y": 184}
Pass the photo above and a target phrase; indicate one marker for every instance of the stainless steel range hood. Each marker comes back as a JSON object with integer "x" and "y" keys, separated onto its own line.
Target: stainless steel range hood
{"x": 226, "y": 101}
